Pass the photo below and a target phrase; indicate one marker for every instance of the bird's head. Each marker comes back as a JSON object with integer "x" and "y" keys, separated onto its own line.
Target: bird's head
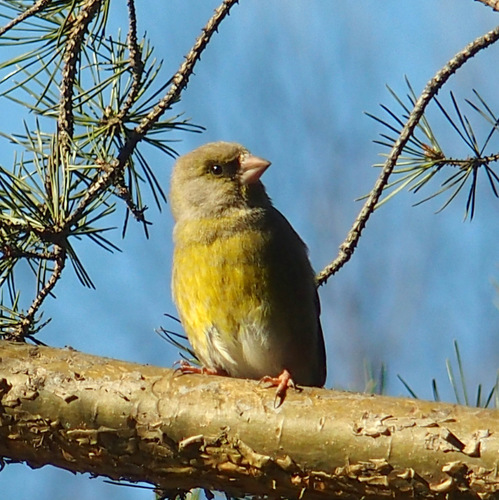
{"x": 215, "y": 179}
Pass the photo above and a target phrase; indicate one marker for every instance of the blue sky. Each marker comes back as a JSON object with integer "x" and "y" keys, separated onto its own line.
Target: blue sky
{"x": 292, "y": 80}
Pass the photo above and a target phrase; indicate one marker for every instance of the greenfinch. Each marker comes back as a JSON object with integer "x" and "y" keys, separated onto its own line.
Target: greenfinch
{"x": 241, "y": 280}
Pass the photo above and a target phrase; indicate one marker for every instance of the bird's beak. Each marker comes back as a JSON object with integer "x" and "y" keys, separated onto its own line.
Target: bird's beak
{"x": 252, "y": 168}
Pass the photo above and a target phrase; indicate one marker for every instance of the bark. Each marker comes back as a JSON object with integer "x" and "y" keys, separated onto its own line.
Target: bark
{"x": 142, "y": 423}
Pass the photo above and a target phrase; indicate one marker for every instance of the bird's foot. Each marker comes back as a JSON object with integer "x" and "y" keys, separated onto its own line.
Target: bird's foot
{"x": 185, "y": 367}
{"x": 282, "y": 382}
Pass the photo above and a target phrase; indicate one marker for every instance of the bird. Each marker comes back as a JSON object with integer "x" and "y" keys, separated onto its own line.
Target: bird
{"x": 242, "y": 281}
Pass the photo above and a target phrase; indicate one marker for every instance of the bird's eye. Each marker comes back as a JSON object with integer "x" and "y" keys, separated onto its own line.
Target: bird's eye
{"x": 216, "y": 170}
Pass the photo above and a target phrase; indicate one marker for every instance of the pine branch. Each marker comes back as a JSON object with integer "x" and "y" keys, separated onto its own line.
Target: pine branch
{"x": 72, "y": 55}
{"x": 179, "y": 81}
{"x": 25, "y": 327}
{"x": 423, "y": 158}
{"x": 61, "y": 187}
{"x": 32, "y": 11}
{"x": 136, "y": 62}
{"x": 347, "y": 248}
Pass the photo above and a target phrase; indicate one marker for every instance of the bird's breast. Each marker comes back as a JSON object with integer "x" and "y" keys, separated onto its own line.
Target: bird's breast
{"x": 218, "y": 264}
{"x": 220, "y": 280}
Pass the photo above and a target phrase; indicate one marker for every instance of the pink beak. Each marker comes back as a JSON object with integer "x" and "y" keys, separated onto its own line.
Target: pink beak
{"x": 252, "y": 168}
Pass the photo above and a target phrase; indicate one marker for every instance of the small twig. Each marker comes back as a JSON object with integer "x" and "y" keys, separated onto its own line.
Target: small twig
{"x": 347, "y": 248}
{"x": 135, "y": 61}
{"x": 24, "y": 326}
{"x": 493, "y": 4}
{"x": 11, "y": 251}
{"x": 124, "y": 193}
{"x": 111, "y": 175}
{"x": 45, "y": 233}
{"x": 65, "y": 123}
{"x": 179, "y": 81}
{"x": 465, "y": 163}
{"x": 15, "y": 226}
{"x": 32, "y": 11}
{"x": 95, "y": 189}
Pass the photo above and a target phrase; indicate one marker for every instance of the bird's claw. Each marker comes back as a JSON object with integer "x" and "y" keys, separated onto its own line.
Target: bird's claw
{"x": 282, "y": 382}
{"x": 185, "y": 367}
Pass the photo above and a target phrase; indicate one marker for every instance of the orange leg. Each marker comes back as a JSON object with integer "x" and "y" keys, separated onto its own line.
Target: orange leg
{"x": 282, "y": 382}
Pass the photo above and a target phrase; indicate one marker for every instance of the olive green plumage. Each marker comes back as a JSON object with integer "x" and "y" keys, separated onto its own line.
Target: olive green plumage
{"x": 242, "y": 281}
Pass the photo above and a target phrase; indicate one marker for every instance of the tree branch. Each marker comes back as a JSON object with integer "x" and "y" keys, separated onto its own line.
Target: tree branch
{"x": 493, "y": 4}
{"x": 32, "y": 11}
{"x": 179, "y": 80}
{"x": 136, "y": 63}
{"x": 140, "y": 423}
{"x": 25, "y": 326}
{"x": 113, "y": 170}
{"x": 72, "y": 54}
{"x": 347, "y": 248}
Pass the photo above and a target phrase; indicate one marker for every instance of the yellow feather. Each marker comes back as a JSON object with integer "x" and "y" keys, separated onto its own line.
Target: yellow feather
{"x": 218, "y": 281}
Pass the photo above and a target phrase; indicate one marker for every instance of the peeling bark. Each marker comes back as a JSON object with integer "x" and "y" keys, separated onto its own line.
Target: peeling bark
{"x": 141, "y": 423}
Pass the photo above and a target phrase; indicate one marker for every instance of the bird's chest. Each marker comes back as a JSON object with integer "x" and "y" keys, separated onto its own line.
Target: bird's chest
{"x": 223, "y": 271}
{"x": 224, "y": 297}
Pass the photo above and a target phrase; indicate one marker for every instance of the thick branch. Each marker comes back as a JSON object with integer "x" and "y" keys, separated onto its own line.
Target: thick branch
{"x": 142, "y": 423}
